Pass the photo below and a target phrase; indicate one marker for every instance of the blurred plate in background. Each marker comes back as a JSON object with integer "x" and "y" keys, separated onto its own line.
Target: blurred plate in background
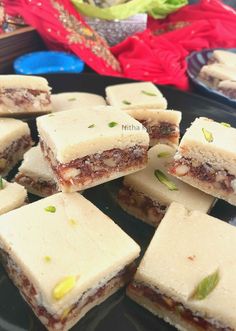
{"x": 195, "y": 61}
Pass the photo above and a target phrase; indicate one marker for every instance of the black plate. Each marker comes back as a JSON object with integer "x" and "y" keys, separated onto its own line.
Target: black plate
{"x": 118, "y": 312}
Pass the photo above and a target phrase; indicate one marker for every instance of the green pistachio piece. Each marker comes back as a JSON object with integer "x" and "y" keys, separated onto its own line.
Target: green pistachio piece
{"x": 206, "y": 286}
{"x": 112, "y": 124}
{"x": 151, "y": 94}
{"x": 208, "y": 135}
{"x": 50, "y": 209}
{"x": 165, "y": 180}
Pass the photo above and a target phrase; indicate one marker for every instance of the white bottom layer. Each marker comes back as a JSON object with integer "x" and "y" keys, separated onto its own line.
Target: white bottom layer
{"x": 209, "y": 188}
{"x": 163, "y": 313}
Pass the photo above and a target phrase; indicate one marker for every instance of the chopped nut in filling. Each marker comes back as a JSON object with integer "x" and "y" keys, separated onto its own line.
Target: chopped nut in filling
{"x": 39, "y": 186}
{"x": 10, "y": 155}
{"x": 160, "y": 300}
{"x": 221, "y": 179}
{"x": 21, "y": 99}
{"x": 96, "y": 166}
{"x": 146, "y": 207}
{"x": 55, "y": 322}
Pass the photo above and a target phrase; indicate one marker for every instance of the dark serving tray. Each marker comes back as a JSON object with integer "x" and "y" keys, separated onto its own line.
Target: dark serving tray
{"x": 118, "y": 312}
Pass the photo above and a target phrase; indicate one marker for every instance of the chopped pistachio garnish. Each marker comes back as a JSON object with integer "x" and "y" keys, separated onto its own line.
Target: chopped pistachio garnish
{"x": 50, "y": 209}
{"x": 1, "y": 183}
{"x": 163, "y": 154}
{"x": 112, "y": 124}
{"x": 91, "y": 126}
{"x": 206, "y": 286}
{"x": 151, "y": 94}
{"x": 165, "y": 180}
{"x": 72, "y": 221}
{"x": 64, "y": 287}
{"x": 208, "y": 135}
{"x": 47, "y": 259}
{"x": 126, "y": 102}
{"x": 71, "y": 99}
{"x": 227, "y": 125}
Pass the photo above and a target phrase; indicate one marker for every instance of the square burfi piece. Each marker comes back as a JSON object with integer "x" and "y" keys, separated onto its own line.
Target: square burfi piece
{"x": 228, "y": 88}
{"x": 12, "y": 196}
{"x": 15, "y": 140}
{"x": 86, "y": 148}
{"x": 162, "y": 125}
{"x": 75, "y": 100}
{"x": 223, "y": 57}
{"x": 24, "y": 94}
{"x": 213, "y": 74}
{"x": 147, "y": 194}
{"x": 187, "y": 275}
{"x": 65, "y": 256}
{"x": 206, "y": 159}
{"x": 141, "y": 95}
{"x": 35, "y": 174}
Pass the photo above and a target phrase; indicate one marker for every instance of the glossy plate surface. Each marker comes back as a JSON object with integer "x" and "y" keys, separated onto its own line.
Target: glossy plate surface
{"x": 118, "y": 312}
{"x": 196, "y": 61}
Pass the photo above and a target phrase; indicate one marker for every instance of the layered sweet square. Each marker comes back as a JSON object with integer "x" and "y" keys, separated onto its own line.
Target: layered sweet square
{"x": 15, "y": 140}
{"x": 142, "y": 95}
{"x": 214, "y": 73}
{"x": 148, "y": 193}
{"x": 224, "y": 57}
{"x": 12, "y": 196}
{"x": 206, "y": 158}
{"x": 35, "y": 174}
{"x": 86, "y": 148}
{"x": 187, "y": 275}
{"x": 24, "y": 94}
{"x": 78, "y": 257}
{"x": 75, "y": 100}
{"x": 162, "y": 125}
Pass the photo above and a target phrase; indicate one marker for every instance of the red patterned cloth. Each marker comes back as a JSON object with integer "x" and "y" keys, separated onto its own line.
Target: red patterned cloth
{"x": 62, "y": 28}
{"x": 157, "y": 54}
{"x": 160, "y": 55}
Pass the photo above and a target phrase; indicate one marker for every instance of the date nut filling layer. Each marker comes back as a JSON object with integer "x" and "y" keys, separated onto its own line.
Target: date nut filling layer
{"x": 160, "y": 300}
{"x": 13, "y": 153}
{"x": 95, "y": 166}
{"x": 59, "y": 322}
{"x": 221, "y": 179}
{"x": 148, "y": 208}
{"x": 19, "y": 98}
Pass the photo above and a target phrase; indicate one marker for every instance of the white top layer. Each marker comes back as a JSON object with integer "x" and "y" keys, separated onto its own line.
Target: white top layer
{"x": 219, "y": 71}
{"x": 69, "y": 136}
{"x": 35, "y": 166}
{"x": 151, "y": 114}
{"x": 146, "y": 182}
{"x": 11, "y": 130}
{"x": 12, "y": 196}
{"x": 92, "y": 249}
{"x": 228, "y": 58}
{"x": 24, "y": 81}
{"x": 135, "y": 95}
{"x": 199, "y": 245}
{"x": 156, "y": 115}
{"x": 75, "y": 100}
{"x": 221, "y": 153}
{"x": 227, "y": 84}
